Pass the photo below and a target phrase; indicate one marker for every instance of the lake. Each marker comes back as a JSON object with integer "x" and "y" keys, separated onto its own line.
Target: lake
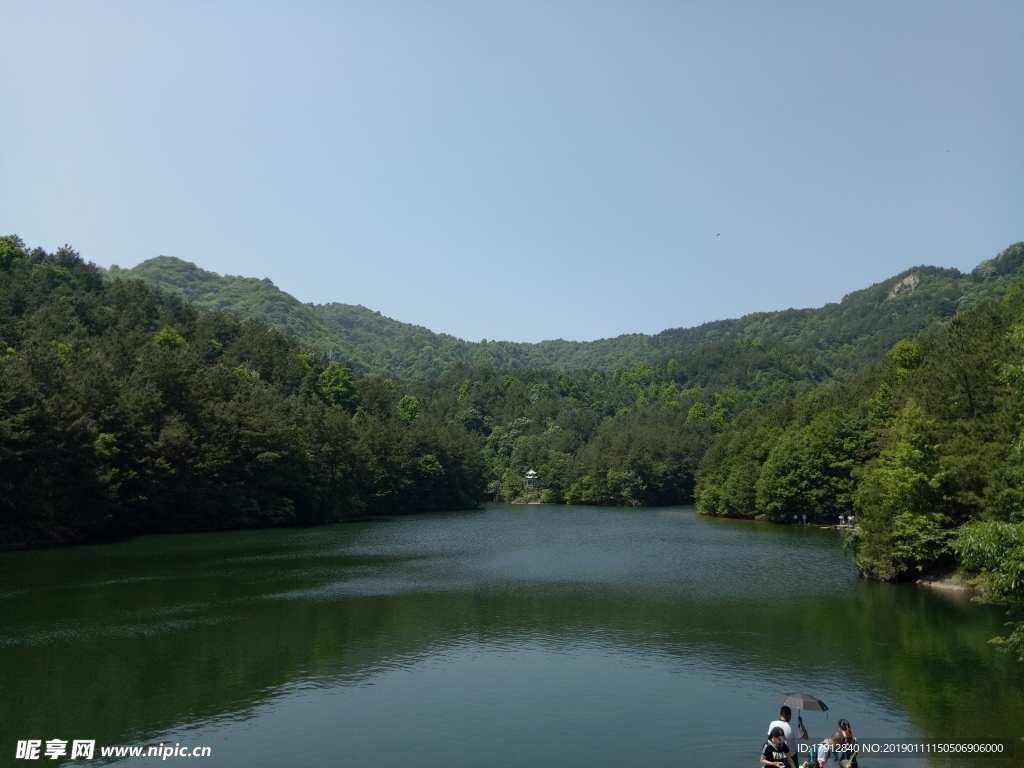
{"x": 508, "y": 636}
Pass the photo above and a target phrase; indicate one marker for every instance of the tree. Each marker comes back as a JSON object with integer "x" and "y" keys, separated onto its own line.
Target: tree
{"x": 906, "y": 356}
{"x": 900, "y": 503}
{"x": 408, "y": 408}
{"x": 168, "y": 338}
{"x": 337, "y": 387}
{"x": 994, "y": 552}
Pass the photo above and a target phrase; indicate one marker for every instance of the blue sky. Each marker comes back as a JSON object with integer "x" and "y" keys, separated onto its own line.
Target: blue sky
{"x": 520, "y": 170}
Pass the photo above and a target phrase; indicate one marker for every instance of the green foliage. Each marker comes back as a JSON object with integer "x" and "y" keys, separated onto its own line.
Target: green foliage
{"x": 408, "y": 408}
{"x": 569, "y": 387}
{"x": 111, "y": 424}
{"x": 920, "y": 542}
{"x": 836, "y": 340}
{"x": 917, "y": 445}
{"x": 727, "y": 483}
{"x": 699, "y": 412}
{"x": 246, "y": 376}
{"x": 994, "y": 553}
{"x": 880, "y": 407}
{"x": 628, "y": 431}
{"x": 614, "y": 488}
{"x": 906, "y": 356}
{"x": 810, "y": 471}
{"x": 245, "y": 297}
{"x": 906, "y": 476}
{"x": 336, "y": 386}
{"x": 11, "y": 249}
{"x": 904, "y": 545}
{"x": 168, "y": 338}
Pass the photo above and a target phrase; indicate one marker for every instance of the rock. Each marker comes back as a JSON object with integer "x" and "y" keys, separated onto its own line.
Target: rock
{"x": 907, "y": 285}
{"x": 949, "y": 581}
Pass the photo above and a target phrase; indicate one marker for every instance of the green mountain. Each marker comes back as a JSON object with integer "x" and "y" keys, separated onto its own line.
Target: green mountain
{"x": 839, "y": 338}
{"x": 124, "y": 410}
{"x": 924, "y": 448}
{"x": 243, "y": 296}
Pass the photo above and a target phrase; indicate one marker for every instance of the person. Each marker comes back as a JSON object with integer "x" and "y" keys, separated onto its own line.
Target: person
{"x": 805, "y": 518}
{"x": 842, "y": 520}
{"x": 831, "y": 753}
{"x": 790, "y": 735}
{"x": 775, "y": 753}
{"x": 849, "y": 739}
{"x": 849, "y": 520}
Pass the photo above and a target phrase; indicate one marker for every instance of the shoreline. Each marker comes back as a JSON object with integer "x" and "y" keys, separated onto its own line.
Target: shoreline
{"x": 950, "y": 582}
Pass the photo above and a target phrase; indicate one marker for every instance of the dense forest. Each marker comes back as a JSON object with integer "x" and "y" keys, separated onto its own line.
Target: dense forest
{"x": 925, "y": 448}
{"x": 184, "y": 400}
{"x": 840, "y": 338}
{"x": 124, "y": 410}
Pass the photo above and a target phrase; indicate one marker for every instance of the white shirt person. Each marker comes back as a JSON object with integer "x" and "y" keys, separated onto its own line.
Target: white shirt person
{"x": 790, "y": 735}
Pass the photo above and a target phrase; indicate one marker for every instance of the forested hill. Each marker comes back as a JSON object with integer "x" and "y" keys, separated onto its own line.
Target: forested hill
{"x": 124, "y": 410}
{"x": 839, "y": 337}
{"x": 925, "y": 449}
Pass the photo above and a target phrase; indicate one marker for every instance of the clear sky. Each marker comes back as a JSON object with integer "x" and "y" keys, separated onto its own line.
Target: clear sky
{"x": 520, "y": 170}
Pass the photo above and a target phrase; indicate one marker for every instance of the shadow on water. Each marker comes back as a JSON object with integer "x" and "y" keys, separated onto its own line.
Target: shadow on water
{"x": 673, "y": 629}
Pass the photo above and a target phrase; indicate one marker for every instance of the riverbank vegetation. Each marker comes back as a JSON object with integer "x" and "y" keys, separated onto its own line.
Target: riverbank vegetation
{"x": 925, "y": 448}
{"x": 126, "y": 408}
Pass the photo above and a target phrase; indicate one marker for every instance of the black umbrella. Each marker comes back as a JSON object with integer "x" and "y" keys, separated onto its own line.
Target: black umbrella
{"x": 801, "y": 701}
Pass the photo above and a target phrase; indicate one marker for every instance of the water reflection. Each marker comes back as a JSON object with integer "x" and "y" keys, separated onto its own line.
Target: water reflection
{"x": 547, "y": 636}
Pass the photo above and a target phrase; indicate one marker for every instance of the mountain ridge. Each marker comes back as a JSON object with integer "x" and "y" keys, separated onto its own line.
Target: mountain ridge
{"x": 842, "y": 335}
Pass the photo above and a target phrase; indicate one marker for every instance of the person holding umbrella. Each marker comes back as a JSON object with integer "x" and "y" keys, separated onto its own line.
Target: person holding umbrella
{"x": 775, "y": 753}
{"x": 790, "y": 736}
{"x": 801, "y": 701}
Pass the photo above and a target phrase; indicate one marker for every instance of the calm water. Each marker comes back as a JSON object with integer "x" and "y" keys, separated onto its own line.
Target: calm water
{"x": 512, "y": 636}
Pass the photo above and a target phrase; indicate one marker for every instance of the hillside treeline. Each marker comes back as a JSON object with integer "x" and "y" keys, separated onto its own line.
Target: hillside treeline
{"x": 923, "y": 445}
{"x": 125, "y": 410}
{"x": 842, "y": 337}
{"x": 925, "y": 448}
{"x": 630, "y": 437}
